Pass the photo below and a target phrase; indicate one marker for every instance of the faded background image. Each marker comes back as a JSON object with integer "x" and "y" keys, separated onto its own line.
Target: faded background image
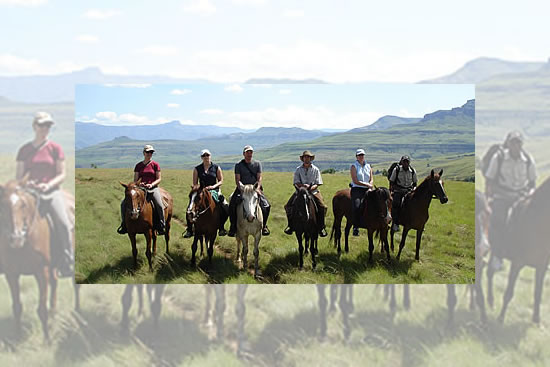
{"x": 52, "y": 45}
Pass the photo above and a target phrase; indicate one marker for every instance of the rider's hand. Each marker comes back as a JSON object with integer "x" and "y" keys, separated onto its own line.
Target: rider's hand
{"x": 209, "y": 188}
{"x": 43, "y": 187}
{"x": 149, "y": 186}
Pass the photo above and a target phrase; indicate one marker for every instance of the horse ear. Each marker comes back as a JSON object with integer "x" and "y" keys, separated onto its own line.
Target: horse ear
{"x": 441, "y": 173}
{"x": 123, "y": 184}
{"x": 256, "y": 186}
{"x": 432, "y": 174}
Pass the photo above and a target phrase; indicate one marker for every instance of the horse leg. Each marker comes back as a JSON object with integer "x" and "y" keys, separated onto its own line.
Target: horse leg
{"x": 393, "y": 303}
{"x": 126, "y": 301}
{"x": 418, "y": 239}
{"x": 210, "y": 246}
{"x": 471, "y": 290}
{"x": 402, "y": 243}
{"x": 240, "y": 311}
{"x": 194, "y": 248}
{"x": 323, "y": 310}
{"x": 384, "y": 235}
{"x": 300, "y": 249}
{"x": 257, "y": 252}
{"x": 42, "y": 280}
{"x": 371, "y": 244}
{"x": 201, "y": 239}
{"x": 333, "y": 297}
{"x": 391, "y": 237}
{"x": 451, "y": 304}
{"x": 148, "y": 235}
{"x": 406, "y": 297}
{"x": 53, "y": 290}
{"x": 76, "y": 287}
{"x": 167, "y": 235}
{"x": 239, "y": 256}
{"x": 313, "y": 244}
{"x": 154, "y": 238}
{"x": 245, "y": 252}
{"x": 219, "y": 310}
{"x": 539, "y": 282}
{"x": 512, "y": 277}
{"x": 478, "y": 292}
{"x": 156, "y": 301}
{"x": 134, "y": 248}
{"x": 306, "y": 247}
{"x": 346, "y": 310}
{"x": 490, "y": 274}
{"x": 17, "y": 307}
{"x": 346, "y": 234}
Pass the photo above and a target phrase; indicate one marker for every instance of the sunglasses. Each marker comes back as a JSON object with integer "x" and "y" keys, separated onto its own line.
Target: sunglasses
{"x": 205, "y": 155}
{"x": 149, "y": 151}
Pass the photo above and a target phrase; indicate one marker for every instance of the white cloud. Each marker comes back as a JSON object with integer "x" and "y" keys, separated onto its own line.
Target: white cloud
{"x": 101, "y": 14}
{"x": 200, "y": 7}
{"x": 107, "y": 115}
{"x": 159, "y": 50}
{"x": 128, "y": 85}
{"x": 23, "y": 2}
{"x": 87, "y": 38}
{"x": 212, "y": 111}
{"x": 249, "y": 2}
{"x": 235, "y": 88}
{"x": 180, "y": 92}
{"x": 172, "y": 105}
{"x": 262, "y": 85}
{"x": 293, "y": 13}
{"x": 11, "y": 64}
{"x": 285, "y": 91}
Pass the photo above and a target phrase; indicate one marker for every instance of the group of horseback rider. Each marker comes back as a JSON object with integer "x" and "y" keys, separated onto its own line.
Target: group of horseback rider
{"x": 249, "y": 171}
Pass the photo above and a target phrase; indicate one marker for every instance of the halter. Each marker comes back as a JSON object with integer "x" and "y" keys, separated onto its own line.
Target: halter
{"x": 196, "y": 216}
{"x": 24, "y": 232}
{"x": 142, "y": 203}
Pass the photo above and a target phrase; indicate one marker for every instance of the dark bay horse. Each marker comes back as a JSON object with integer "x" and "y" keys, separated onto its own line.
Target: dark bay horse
{"x": 204, "y": 214}
{"x": 526, "y": 232}
{"x": 304, "y": 223}
{"x": 138, "y": 215}
{"x": 414, "y": 211}
{"x": 25, "y": 247}
{"x": 154, "y": 295}
{"x": 376, "y": 216}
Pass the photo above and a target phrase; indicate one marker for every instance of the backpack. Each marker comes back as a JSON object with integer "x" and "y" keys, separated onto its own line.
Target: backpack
{"x": 494, "y": 149}
{"x": 395, "y": 165}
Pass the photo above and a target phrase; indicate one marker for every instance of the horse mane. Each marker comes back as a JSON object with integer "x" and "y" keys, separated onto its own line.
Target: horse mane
{"x": 424, "y": 186}
{"x": 207, "y": 196}
{"x": 248, "y": 189}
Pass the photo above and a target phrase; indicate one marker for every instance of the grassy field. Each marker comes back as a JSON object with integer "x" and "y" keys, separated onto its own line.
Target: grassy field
{"x": 103, "y": 256}
{"x": 281, "y": 328}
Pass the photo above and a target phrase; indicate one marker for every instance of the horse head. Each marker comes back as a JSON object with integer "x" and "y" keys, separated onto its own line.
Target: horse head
{"x": 200, "y": 201}
{"x": 134, "y": 196}
{"x": 251, "y": 201}
{"x": 379, "y": 203}
{"x": 437, "y": 186}
{"x": 302, "y": 204}
{"x": 18, "y": 210}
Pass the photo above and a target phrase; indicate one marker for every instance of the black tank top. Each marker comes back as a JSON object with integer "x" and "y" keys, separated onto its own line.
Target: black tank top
{"x": 209, "y": 177}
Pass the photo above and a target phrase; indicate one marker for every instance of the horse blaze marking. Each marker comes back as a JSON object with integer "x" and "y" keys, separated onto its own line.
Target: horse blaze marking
{"x": 191, "y": 201}
{"x": 133, "y": 192}
{"x": 14, "y": 199}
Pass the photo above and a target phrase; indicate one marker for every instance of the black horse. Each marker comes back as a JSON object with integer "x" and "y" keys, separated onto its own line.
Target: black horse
{"x": 304, "y": 223}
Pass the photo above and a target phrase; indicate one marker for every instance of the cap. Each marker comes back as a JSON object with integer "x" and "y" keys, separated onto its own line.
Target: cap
{"x": 247, "y": 148}
{"x": 405, "y": 158}
{"x": 42, "y": 118}
{"x": 359, "y": 151}
{"x": 148, "y": 148}
{"x": 205, "y": 151}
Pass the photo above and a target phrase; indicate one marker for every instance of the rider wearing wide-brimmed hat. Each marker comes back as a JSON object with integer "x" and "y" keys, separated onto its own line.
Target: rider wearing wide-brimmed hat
{"x": 308, "y": 175}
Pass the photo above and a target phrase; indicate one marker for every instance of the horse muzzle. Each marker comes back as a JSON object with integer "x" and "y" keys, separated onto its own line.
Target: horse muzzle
{"x": 17, "y": 239}
{"x": 444, "y": 200}
{"x": 250, "y": 218}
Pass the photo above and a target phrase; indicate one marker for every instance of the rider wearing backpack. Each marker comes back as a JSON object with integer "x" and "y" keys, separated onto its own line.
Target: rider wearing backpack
{"x": 402, "y": 181}
{"x": 510, "y": 176}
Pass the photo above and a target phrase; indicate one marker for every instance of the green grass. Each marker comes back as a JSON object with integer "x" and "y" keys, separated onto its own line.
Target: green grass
{"x": 103, "y": 256}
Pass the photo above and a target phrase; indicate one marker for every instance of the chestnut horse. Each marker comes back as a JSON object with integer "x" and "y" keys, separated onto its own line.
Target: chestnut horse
{"x": 304, "y": 224}
{"x": 25, "y": 241}
{"x": 138, "y": 215}
{"x": 376, "y": 216}
{"x": 526, "y": 232}
{"x": 414, "y": 211}
{"x": 204, "y": 214}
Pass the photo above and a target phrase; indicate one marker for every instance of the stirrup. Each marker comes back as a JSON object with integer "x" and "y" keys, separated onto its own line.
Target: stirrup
{"x": 323, "y": 232}
{"x": 356, "y": 232}
{"x": 188, "y": 234}
{"x": 288, "y": 230}
{"x": 121, "y": 230}
{"x": 222, "y": 232}
{"x": 265, "y": 231}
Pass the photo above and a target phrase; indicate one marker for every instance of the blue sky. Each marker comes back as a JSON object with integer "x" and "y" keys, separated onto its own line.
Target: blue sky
{"x": 233, "y": 40}
{"x": 310, "y": 106}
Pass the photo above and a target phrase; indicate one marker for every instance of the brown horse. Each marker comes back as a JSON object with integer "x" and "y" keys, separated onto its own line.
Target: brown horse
{"x": 204, "y": 214}
{"x": 526, "y": 230}
{"x": 138, "y": 215}
{"x": 376, "y": 216}
{"x": 414, "y": 211}
{"x": 304, "y": 224}
{"x": 25, "y": 247}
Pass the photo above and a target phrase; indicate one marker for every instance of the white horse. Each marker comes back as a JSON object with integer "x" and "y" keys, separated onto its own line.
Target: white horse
{"x": 249, "y": 223}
